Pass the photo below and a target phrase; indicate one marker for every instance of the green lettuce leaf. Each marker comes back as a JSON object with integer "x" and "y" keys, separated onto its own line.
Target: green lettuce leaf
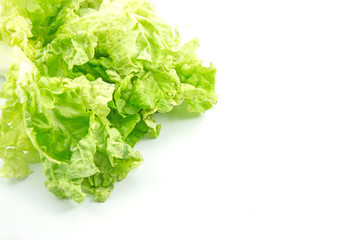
{"x": 63, "y": 121}
{"x": 16, "y": 149}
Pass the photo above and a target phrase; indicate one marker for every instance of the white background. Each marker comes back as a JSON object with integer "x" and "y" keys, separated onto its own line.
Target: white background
{"x": 277, "y": 158}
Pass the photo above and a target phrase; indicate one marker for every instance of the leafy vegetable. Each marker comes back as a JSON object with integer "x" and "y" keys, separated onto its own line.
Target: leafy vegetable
{"x": 86, "y": 79}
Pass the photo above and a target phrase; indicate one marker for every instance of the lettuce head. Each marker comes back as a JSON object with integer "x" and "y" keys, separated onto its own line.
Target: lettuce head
{"x": 85, "y": 79}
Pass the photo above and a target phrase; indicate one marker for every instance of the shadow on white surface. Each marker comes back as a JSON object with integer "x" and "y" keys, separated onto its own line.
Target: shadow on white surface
{"x": 178, "y": 114}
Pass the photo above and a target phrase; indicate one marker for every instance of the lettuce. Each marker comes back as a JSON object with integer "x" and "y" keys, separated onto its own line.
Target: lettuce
{"x": 86, "y": 80}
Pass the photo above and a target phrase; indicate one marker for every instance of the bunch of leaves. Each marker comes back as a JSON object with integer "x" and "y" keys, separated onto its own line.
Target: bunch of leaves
{"x": 87, "y": 77}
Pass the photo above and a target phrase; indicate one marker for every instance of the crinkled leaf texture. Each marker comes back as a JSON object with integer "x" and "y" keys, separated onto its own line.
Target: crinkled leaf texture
{"x": 87, "y": 78}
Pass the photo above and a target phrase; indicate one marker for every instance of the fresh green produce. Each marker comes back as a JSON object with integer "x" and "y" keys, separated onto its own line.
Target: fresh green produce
{"x": 86, "y": 78}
